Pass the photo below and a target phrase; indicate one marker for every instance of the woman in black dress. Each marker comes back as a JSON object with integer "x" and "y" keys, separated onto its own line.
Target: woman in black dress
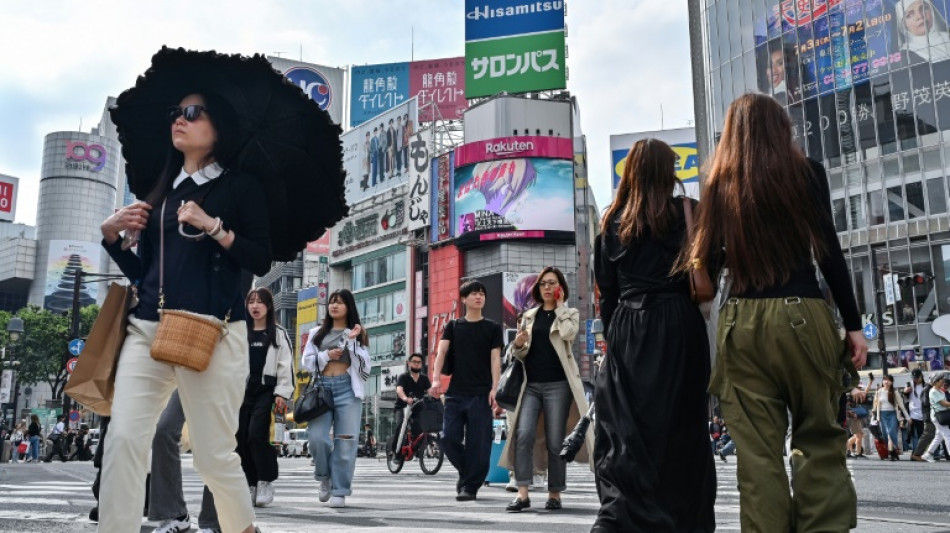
{"x": 654, "y": 469}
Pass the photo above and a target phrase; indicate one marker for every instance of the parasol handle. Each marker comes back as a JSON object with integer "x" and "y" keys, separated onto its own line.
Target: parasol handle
{"x": 185, "y": 234}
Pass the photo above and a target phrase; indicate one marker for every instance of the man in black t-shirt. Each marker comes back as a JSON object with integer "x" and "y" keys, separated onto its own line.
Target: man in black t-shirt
{"x": 410, "y": 387}
{"x": 476, "y": 344}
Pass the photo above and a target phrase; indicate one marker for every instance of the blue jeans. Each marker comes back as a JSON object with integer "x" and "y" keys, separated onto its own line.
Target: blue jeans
{"x": 729, "y": 448}
{"x": 336, "y": 460}
{"x": 468, "y": 419}
{"x": 35, "y": 448}
{"x": 890, "y": 428}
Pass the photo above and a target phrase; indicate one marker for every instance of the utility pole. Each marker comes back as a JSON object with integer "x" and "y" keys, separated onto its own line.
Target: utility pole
{"x": 878, "y": 310}
{"x": 73, "y": 334}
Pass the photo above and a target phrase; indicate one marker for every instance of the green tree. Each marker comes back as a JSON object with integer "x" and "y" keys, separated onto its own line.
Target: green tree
{"x": 43, "y": 348}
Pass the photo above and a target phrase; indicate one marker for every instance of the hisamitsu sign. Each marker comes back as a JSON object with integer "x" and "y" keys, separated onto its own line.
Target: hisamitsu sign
{"x": 501, "y": 18}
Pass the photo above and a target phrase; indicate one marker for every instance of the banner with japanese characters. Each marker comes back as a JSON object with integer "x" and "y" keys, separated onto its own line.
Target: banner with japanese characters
{"x": 439, "y": 87}
{"x": 419, "y": 179}
{"x": 515, "y": 64}
{"x": 443, "y": 170}
{"x": 376, "y": 155}
{"x": 375, "y": 89}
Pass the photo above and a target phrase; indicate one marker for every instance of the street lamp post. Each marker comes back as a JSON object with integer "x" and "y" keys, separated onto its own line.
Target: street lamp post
{"x": 14, "y": 330}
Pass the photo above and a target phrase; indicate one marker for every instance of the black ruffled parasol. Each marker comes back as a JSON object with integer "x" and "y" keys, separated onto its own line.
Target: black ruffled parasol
{"x": 286, "y": 141}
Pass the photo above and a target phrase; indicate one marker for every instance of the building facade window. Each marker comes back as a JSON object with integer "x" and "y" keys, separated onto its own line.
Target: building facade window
{"x": 379, "y": 270}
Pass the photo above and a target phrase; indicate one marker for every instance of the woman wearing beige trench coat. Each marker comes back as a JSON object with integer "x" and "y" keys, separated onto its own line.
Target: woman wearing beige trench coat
{"x": 553, "y": 387}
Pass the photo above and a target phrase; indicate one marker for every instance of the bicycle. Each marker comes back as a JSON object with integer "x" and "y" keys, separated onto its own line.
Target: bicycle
{"x": 426, "y": 445}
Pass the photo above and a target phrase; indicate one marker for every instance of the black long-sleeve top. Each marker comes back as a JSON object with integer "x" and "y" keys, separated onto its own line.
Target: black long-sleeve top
{"x": 640, "y": 267}
{"x": 804, "y": 282}
{"x": 201, "y": 276}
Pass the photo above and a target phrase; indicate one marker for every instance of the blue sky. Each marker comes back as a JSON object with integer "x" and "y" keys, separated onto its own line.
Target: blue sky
{"x": 63, "y": 58}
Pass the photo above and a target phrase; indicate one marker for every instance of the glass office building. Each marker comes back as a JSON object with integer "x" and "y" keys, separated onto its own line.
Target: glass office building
{"x": 867, "y": 84}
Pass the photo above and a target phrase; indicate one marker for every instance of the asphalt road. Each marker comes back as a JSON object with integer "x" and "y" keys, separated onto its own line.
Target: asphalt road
{"x": 55, "y": 497}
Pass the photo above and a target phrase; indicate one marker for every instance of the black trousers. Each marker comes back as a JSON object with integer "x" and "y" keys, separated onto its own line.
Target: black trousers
{"x": 58, "y": 448}
{"x": 258, "y": 456}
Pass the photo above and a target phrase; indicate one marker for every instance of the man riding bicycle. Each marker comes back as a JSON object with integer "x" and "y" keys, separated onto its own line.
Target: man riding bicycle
{"x": 410, "y": 387}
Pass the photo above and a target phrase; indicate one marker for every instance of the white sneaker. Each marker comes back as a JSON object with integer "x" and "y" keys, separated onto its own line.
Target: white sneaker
{"x": 539, "y": 481}
{"x": 324, "y": 490}
{"x": 338, "y": 502}
{"x": 928, "y": 457}
{"x": 265, "y": 493}
{"x": 512, "y": 485}
{"x": 174, "y": 525}
{"x": 253, "y": 491}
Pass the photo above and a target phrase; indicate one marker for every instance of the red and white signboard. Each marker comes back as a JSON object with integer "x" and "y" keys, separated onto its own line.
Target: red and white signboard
{"x": 71, "y": 364}
{"x": 8, "y": 191}
{"x": 320, "y": 246}
{"x": 513, "y": 147}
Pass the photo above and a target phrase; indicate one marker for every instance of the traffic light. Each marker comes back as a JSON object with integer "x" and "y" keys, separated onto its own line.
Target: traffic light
{"x": 916, "y": 279}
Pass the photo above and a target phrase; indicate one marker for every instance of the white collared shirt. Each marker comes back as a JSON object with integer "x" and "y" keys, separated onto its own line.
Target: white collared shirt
{"x": 204, "y": 175}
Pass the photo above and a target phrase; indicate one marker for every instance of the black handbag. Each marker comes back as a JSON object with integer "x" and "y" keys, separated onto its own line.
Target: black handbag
{"x": 943, "y": 418}
{"x": 510, "y": 385}
{"x": 316, "y": 400}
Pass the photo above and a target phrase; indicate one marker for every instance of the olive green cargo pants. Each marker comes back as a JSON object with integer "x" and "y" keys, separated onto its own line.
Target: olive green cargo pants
{"x": 775, "y": 356}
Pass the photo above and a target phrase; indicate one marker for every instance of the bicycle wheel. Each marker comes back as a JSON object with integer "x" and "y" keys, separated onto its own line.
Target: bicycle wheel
{"x": 394, "y": 461}
{"x": 431, "y": 455}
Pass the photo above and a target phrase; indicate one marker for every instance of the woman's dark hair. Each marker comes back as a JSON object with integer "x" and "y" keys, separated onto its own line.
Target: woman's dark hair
{"x": 267, "y": 298}
{"x": 890, "y": 390}
{"x": 644, "y": 196}
{"x": 344, "y": 297}
{"x": 536, "y": 289}
{"x": 225, "y": 122}
{"x": 758, "y": 200}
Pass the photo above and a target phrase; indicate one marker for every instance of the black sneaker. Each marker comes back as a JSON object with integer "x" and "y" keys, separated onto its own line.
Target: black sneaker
{"x": 553, "y": 504}
{"x": 465, "y": 496}
{"x": 517, "y": 505}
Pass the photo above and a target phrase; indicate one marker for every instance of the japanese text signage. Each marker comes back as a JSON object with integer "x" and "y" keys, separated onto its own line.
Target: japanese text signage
{"x": 368, "y": 229}
{"x": 502, "y": 18}
{"x": 439, "y": 87}
{"x": 512, "y": 147}
{"x": 442, "y": 170}
{"x": 382, "y": 153}
{"x": 377, "y": 88}
{"x": 515, "y": 64}
{"x": 419, "y": 181}
{"x": 513, "y": 46}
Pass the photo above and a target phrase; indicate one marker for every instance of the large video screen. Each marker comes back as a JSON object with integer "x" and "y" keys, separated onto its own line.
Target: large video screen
{"x": 514, "y": 198}
{"x": 864, "y": 73}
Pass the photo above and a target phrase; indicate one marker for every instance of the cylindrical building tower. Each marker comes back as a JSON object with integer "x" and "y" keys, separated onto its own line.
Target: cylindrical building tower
{"x": 77, "y": 192}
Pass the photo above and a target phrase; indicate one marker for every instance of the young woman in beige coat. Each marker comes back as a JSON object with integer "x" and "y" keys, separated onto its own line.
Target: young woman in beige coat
{"x": 552, "y": 398}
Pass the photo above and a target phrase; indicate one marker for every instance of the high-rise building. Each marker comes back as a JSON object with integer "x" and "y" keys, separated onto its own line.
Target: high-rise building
{"x": 867, "y": 84}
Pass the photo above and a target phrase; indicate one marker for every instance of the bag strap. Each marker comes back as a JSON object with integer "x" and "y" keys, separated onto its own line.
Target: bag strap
{"x": 688, "y": 213}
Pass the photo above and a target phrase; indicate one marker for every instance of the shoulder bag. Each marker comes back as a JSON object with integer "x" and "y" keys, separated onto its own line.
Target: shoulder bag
{"x": 316, "y": 400}
{"x": 701, "y": 288}
{"x": 510, "y": 385}
{"x": 943, "y": 418}
{"x": 183, "y": 338}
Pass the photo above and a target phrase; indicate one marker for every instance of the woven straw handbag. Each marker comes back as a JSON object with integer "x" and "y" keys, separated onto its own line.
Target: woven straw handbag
{"x": 184, "y": 338}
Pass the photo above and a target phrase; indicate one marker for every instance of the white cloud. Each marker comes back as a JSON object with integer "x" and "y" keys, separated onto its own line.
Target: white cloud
{"x": 626, "y": 58}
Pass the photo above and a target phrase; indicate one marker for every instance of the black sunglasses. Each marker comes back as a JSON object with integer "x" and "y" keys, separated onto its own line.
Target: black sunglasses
{"x": 190, "y": 112}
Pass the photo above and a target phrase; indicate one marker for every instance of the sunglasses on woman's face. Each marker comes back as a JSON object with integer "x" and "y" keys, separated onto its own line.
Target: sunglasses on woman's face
{"x": 189, "y": 112}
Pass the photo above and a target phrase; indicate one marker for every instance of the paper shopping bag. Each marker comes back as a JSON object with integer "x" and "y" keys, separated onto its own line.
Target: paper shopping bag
{"x": 92, "y": 383}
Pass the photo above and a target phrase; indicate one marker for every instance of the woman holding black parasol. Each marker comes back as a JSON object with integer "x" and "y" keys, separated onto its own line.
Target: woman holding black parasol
{"x": 215, "y": 211}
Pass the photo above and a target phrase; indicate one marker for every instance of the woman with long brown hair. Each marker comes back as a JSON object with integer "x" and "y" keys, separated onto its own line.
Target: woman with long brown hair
{"x": 766, "y": 211}
{"x": 654, "y": 468}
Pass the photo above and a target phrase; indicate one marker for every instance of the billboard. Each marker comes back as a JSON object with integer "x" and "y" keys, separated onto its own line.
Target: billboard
{"x": 308, "y": 312}
{"x": 324, "y": 85}
{"x": 865, "y": 73}
{"x": 320, "y": 246}
{"x": 419, "y": 180}
{"x": 443, "y": 172}
{"x": 512, "y": 147}
{"x": 439, "y": 88}
{"x": 368, "y": 230}
{"x": 490, "y": 19}
{"x": 377, "y": 88}
{"x": 516, "y": 64}
{"x": 9, "y": 186}
{"x": 683, "y": 142}
{"x": 65, "y": 257}
{"x": 514, "y": 198}
{"x": 516, "y": 291}
{"x": 376, "y": 154}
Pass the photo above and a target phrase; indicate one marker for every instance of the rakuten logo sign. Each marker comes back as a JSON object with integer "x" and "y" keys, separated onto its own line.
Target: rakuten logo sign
{"x": 84, "y": 156}
{"x": 514, "y": 147}
{"x": 508, "y": 148}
